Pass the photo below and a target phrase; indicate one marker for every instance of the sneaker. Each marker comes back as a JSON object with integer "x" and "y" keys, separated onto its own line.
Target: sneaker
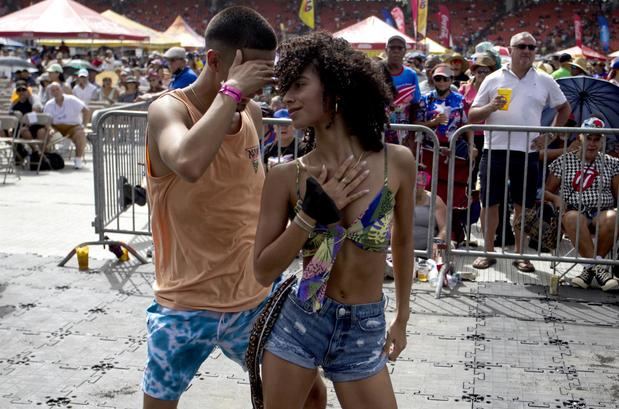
{"x": 605, "y": 278}
{"x": 78, "y": 163}
{"x": 585, "y": 278}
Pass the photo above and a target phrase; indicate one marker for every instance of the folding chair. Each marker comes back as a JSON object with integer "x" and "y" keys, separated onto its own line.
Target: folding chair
{"x": 45, "y": 120}
{"x": 10, "y": 125}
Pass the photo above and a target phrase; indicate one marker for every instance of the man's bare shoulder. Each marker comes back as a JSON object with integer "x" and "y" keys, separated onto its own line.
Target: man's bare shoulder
{"x": 255, "y": 112}
{"x": 167, "y": 109}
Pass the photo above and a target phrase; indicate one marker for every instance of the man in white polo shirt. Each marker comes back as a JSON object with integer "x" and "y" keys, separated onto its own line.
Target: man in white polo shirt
{"x": 84, "y": 89}
{"x": 531, "y": 91}
{"x": 69, "y": 114}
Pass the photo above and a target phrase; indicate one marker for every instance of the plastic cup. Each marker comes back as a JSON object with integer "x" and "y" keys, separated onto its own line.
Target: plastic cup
{"x": 507, "y": 94}
{"x": 82, "y": 257}
{"x": 125, "y": 255}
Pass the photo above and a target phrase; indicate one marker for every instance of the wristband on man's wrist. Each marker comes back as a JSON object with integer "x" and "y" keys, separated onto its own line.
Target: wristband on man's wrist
{"x": 233, "y": 92}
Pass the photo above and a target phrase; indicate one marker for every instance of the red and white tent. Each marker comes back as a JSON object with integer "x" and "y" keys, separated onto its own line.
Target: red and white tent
{"x": 182, "y": 32}
{"x": 583, "y": 51}
{"x": 371, "y": 34}
{"x": 63, "y": 19}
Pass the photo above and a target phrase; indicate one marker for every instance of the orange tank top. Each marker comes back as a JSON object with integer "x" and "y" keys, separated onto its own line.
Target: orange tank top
{"x": 204, "y": 232}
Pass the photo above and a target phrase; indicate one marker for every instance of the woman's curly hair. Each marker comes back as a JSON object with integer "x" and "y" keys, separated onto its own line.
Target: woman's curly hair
{"x": 349, "y": 78}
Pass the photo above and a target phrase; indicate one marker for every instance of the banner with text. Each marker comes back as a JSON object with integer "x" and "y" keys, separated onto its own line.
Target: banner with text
{"x": 422, "y": 17}
{"x": 398, "y": 17}
{"x": 604, "y": 33}
{"x": 578, "y": 30}
{"x": 444, "y": 25}
{"x": 306, "y": 13}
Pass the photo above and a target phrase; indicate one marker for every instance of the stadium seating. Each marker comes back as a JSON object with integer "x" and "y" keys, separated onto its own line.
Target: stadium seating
{"x": 550, "y": 21}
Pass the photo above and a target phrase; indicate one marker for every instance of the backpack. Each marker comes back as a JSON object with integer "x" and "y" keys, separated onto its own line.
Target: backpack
{"x": 51, "y": 161}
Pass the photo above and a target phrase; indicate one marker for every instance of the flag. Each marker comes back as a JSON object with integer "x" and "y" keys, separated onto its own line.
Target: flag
{"x": 398, "y": 16}
{"x": 306, "y": 13}
{"x": 414, "y": 12}
{"x": 604, "y": 33}
{"x": 578, "y": 30}
{"x": 422, "y": 16}
{"x": 444, "y": 24}
{"x": 387, "y": 17}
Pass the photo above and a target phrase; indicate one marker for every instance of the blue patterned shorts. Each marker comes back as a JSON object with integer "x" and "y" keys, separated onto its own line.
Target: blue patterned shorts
{"x": 180, "y": 341}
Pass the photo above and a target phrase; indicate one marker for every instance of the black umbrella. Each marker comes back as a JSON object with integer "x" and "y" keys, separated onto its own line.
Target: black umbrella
{"x": 588, "y": 96}
{"x": 15, "y": 62}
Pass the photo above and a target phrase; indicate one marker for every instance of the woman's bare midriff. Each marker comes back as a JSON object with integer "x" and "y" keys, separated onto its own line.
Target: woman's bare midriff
{"x": 357, "y": 276}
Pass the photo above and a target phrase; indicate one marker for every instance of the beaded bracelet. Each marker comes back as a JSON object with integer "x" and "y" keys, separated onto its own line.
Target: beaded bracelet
{"x": 232, "y": 92}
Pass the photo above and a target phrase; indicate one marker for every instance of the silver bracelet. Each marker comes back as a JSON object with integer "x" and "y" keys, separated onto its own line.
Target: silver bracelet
{"x": 305, "y": 222}
{"x": 306, "y": 228}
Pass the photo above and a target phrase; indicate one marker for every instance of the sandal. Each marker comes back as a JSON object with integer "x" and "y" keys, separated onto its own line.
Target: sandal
{"x": 482, "y": 263}
{"x": 524, "y": 266}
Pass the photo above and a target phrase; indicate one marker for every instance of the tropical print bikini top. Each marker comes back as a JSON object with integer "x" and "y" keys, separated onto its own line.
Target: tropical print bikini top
{"x": 371, "y": 231}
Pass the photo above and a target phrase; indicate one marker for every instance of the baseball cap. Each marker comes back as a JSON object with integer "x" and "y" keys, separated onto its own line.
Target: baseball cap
{"x": 21, "y": 84}
{"x": 565, "y": 57}
{"x": 444, "y": 70}
{"x": 398, "y": 38}
{"x": 281, "y": 113}
{"x": 54, "y": 68}
{"x": 615, "y": 65}
{"x": 593, "y": 122}
{"x": 175, "y": 53}
{"x": 82, "y": 73}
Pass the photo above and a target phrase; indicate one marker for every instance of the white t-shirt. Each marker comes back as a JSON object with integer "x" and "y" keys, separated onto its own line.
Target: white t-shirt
{"x": 530, "y": 95}
{"x": 86, "y": 94}
{"x": 69, "y": 113}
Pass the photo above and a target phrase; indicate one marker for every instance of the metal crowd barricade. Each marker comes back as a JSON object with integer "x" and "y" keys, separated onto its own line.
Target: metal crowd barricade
{"x": 424, "y": 142}
{"x": 119, "y": 152}
{"x": 545, "y": 136}
{"x": 118, "y": 141}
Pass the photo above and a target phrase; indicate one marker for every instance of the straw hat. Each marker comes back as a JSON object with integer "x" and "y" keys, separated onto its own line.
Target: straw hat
{"x": 544, "y": 66}
{"x": 458, "y": 57}
{"x": 580, "y": 63}
{"x": 107, "y": 74}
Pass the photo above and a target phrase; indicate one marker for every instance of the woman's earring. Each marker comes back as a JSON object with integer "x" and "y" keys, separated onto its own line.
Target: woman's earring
{"x": 336, "y": 107}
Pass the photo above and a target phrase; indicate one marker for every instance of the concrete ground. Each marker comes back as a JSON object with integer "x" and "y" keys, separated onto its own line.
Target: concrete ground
{"x": 76, "y": 339}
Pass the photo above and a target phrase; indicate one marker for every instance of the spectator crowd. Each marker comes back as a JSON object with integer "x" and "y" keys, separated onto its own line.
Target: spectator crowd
{"x": 441, "y": 92}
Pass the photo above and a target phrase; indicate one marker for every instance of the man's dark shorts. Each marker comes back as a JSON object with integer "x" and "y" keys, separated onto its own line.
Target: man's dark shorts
{"x": 493, "y": 180}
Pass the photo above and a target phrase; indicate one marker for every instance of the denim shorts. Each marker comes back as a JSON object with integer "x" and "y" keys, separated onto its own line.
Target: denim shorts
{"x": 347, "y": 341}
{"x": 180, "y": 341}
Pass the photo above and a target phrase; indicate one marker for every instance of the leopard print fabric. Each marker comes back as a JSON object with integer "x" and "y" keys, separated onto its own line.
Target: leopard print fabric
{"x": 549, "y": 225}
{"x": 259, "y": 336}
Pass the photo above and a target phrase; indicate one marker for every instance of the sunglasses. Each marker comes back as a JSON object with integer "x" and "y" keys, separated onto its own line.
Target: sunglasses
{"x": 22, "y": 89}
{"x": 525, "y": 46}
{"x": 482, "y": 72}
{"x": 441, "y": 78}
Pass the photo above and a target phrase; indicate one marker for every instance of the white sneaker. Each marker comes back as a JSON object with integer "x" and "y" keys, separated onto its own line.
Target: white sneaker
{"x": 78, "y": 163}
